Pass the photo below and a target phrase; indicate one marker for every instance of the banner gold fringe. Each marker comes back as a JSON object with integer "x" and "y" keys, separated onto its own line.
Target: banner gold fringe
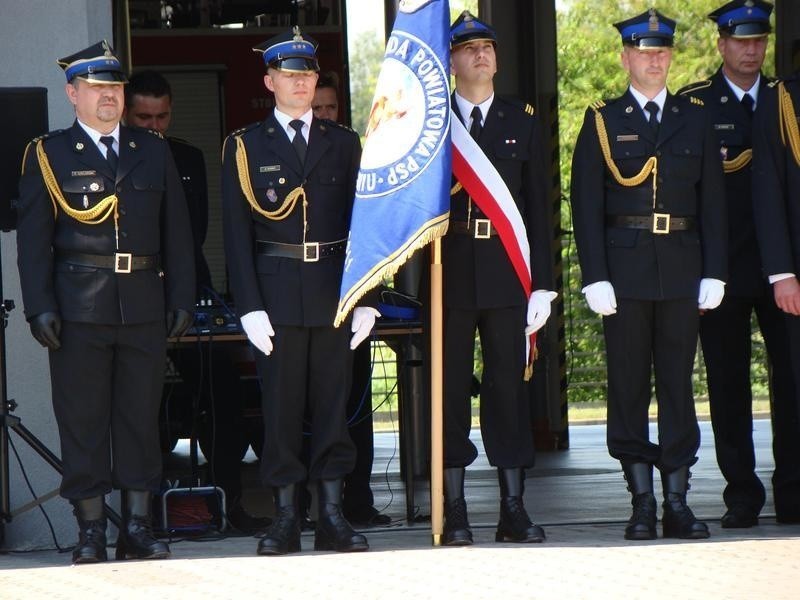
{"x": 390, "y": 265}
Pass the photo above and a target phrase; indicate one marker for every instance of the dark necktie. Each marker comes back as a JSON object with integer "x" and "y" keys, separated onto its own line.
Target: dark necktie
{"x": 299, "y": 142}
{"x": 111, "y": 156}
{"x": 652, "y": 108}
{"x": 748, "y": 103}
{"x": 476, "y": 128}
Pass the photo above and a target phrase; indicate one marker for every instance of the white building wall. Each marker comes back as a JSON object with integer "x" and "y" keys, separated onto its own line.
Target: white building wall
{"x": 33, "y": 34}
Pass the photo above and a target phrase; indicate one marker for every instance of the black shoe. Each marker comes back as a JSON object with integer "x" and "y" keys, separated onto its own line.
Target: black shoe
{"x": 283, "y": 536}
{"x": 456, "y": 524}
{"x": 515, "y": 525}
{"x": 642, "y": 524}
{"x": 91, "y": 546}
{"x": 678, "y": 520}
{"x": 367, "y": 516}
{"x": 241, "y": 520}
{"x": 333, "y": 532}
{"x": 136, "y": 540}
{"x": 739, "y": 517}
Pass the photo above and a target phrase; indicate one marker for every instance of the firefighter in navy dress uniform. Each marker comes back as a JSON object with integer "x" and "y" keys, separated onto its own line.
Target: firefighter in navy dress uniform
{"x": 482, "y": 292}
{"x": 105, "y": 260}
{"x": 776, "y": 210}
{"x": 731, "y": 95}
{"x": 288, "y": 185}
{"x": 651, "y": 231}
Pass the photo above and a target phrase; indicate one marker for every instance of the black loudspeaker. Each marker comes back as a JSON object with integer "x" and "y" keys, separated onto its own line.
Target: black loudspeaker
{"x": 24, "y": 116}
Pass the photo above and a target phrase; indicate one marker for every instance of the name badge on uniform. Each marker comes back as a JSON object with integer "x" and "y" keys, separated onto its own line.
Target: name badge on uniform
{"x": 272, "y": 196}
{"x": 724, "y": 126}
{"x": 269, "y": 168}
{"x": 83, "y": 173}
{"x": 633, "y": 137}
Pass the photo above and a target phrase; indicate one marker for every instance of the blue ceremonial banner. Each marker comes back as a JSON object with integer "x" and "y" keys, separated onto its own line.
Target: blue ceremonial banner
{"x": 403, "y": 190}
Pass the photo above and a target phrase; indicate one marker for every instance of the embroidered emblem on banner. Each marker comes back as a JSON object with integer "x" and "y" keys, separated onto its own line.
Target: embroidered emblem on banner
{"x": 408, "y": 122}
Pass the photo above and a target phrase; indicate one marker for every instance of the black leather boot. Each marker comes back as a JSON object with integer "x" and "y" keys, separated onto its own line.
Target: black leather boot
{"x": 91, "y": 546}
{"x": 678, "y": 520}
{"x": 136, "y": 539}
{"x": 642, "y": 524}
{"x": 515, "y": 525}
{"x": 333, "y": 532}
{"x": 456, "y": 524}
{"x": 283, "y": 536}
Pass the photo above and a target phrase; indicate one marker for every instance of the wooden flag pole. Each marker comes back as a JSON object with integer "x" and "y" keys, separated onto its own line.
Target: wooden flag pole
{"x": 437, "y": 430}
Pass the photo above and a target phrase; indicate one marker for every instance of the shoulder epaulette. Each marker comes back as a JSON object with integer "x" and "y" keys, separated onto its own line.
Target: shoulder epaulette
{"x": 693, "y": 87}
{"x": 244, "y": 129}
{"x": 694, "y": 100}
{"x": 773, "y": 83}
{"x": 517, "y": 103}
{"x": 48, "y": 135}
{"x": 155, "y": 133}
{"x": 597, "y": 105}
{"x": 330, "y": 123}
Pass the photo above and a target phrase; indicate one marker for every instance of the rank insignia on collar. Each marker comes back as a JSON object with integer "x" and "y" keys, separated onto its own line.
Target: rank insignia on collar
{"x": 723, "y": 99}
{"x": 79, "y": 146}
{"x": 132, "y": 144}
{"x": 628, "y": 109}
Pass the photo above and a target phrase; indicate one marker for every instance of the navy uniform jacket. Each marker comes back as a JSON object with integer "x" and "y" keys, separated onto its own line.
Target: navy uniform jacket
{"x": 293, "y": 292}
{"x": 152, "y": 221}
{"x": 192, "y": 170}
{"x": 639, "y": 264}
{"x": 478, "y": 273}
{"x": 732, "y": 130}
{"x": 776, "y": 185}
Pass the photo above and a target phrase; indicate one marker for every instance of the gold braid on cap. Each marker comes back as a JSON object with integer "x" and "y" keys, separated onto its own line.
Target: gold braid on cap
{"x": 285, "y": 209}
{"x": 787, "y": 122}
{"x": 738, "y": 163}
{"x": 651, "y": 166}
{"x": 92, "y": 216}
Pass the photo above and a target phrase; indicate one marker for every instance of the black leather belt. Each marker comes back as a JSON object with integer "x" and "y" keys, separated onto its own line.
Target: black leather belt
{"x": 659, "y": 223}
{"x": 308, "y": 252}
{"x": 480, "y": 229}
{"x": 121, "y": 262}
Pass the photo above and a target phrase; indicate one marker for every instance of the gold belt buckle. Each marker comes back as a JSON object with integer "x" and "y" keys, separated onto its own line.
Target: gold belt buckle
{"x": 661, "y": 223}
{"x": 310, "y": 251}
{"x": 483, "y": 229}
{"x": 123, "y": 262}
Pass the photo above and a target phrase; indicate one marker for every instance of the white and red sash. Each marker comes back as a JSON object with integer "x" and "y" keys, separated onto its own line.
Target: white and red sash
{"x": 487, "y": 189}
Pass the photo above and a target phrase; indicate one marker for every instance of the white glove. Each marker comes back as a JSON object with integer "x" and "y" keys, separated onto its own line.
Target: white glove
{"x": 711, "y": 293}
{"x": 363, "y": 322}
{"x": 601, "y": 298}
{"x": 259, "y": 330}
{"x": 539, "y": 309}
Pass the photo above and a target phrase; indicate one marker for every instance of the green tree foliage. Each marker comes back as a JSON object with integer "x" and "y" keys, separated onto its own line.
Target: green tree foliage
{"x": 366, "y": 54}
{"x": 590, "y": 69}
